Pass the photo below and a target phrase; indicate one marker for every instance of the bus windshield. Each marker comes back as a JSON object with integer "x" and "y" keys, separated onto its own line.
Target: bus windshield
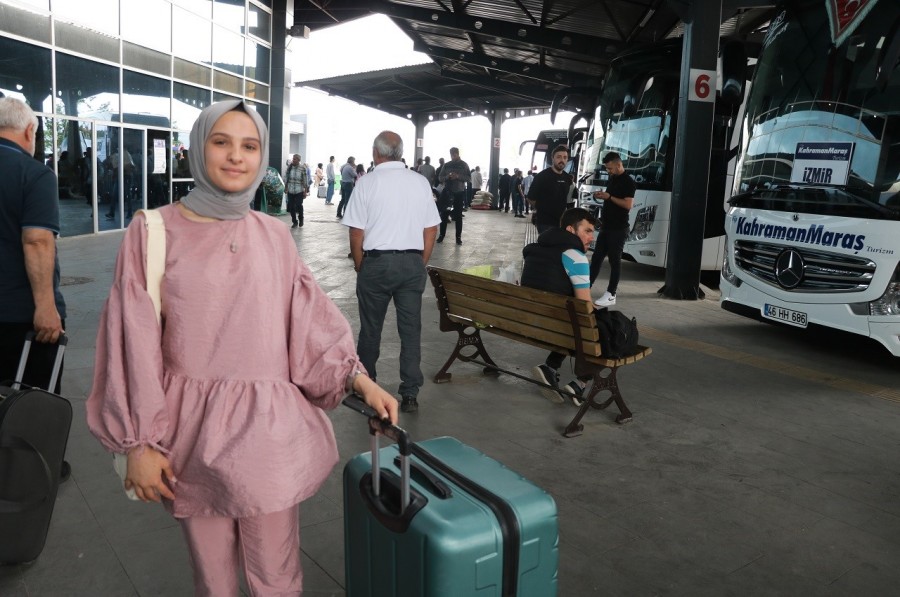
{"x": 639, "y": 140}
{"x": 810, "y": 97}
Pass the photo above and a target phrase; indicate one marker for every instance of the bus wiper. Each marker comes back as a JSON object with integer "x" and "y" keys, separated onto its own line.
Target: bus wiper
{"x": 844, "y": 193}
{"x": 777, "y": 193}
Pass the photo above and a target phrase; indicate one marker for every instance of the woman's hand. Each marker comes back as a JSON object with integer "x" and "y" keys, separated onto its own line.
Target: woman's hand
{"x": 376, "y": 397}
{"x": 146, "y": 468}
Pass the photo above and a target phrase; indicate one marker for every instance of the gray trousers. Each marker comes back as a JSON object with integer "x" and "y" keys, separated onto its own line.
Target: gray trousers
{"x": 400, "y": 277}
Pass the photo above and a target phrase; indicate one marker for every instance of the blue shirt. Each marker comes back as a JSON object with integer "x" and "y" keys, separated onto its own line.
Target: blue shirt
{"x": 577, "y": 268}
{"x": 29, "y": 198}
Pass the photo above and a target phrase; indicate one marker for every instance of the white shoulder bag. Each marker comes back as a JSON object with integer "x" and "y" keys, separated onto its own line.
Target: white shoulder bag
{"x": 156, "y": 268}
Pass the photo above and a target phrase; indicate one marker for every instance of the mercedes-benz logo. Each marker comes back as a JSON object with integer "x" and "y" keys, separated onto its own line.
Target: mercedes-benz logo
{"x": 789, "y": 269}
{"x": 795, "y": 217}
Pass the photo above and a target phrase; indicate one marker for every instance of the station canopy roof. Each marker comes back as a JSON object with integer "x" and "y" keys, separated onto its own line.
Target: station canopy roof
{"x": 508, "y": 54}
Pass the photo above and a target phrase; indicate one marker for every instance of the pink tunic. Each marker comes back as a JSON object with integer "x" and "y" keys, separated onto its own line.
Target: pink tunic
{"x": 233, "y": 389}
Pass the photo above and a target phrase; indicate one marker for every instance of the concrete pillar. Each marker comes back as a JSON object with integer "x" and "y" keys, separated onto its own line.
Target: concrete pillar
{"x": 692, "y": 150}
{"x": 493, "y": 173}
{"x": 420, "y": 120}
{"x": 280, "y": 79}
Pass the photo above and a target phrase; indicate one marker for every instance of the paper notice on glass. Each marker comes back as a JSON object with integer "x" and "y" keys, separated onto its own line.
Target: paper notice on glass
{"x": 159, "y": 156}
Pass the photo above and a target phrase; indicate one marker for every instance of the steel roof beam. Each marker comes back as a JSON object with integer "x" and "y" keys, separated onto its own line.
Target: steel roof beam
{"x": 533, "y": 94}
{"x": 514, "y": 67}
{"x": 524, "y": 34}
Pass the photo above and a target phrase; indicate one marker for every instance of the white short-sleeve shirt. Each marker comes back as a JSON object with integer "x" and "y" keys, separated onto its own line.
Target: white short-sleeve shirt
{"x": 393, "y": 205}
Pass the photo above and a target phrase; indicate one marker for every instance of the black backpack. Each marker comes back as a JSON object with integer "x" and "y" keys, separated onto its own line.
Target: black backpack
{"x": 618, "y": 334}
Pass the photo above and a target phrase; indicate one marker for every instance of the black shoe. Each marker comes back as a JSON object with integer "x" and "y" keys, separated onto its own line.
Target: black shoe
{"x": 549, "y": 377}
{"x": 300, "y": 223}
{"x": 440, "y": 239}
{"x": 409, "y": 404}
{"x": 65, "y": 472}
{"x": 294, "y": 225}
{"x": 459, "y": 241}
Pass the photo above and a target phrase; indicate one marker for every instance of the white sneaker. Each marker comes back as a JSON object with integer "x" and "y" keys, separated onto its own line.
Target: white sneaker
{"x": 607, "y": 300}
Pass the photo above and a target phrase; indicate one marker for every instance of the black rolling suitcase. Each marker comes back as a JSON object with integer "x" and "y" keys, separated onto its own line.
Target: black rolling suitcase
{"x": 34, "y": 430}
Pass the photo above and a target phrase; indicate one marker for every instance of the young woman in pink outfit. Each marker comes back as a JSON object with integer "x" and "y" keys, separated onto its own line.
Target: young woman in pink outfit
{"x": 220, "y": 408}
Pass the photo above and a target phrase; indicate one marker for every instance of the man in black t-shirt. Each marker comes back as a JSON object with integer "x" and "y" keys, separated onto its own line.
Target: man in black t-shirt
{"x": 550, "y": 190}
{"x": 617, "y": 201}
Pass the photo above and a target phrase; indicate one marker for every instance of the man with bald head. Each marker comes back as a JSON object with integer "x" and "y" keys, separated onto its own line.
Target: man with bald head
{"x": 393, "y": 224}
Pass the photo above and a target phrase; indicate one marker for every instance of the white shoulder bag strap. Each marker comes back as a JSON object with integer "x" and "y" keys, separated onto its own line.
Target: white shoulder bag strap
{"x": 156, "y": 268}
{"x": 156, "y": 257}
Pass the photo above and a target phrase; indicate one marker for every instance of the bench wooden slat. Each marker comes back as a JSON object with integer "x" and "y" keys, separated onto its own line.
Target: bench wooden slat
{"x": 521, "y": 304}
{"x": 513, "y": 317}
{"x": 556, "y": 341}
{"x": 451, "y": 278}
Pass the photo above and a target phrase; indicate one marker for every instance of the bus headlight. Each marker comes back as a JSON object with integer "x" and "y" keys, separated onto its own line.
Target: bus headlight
{"x": 727, "y": 273}
{"x": 889, "y": 302}
{"x": 643, "y": 223}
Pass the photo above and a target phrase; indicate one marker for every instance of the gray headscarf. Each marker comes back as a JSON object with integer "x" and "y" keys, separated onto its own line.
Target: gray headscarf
{"x": 206, "y": 199}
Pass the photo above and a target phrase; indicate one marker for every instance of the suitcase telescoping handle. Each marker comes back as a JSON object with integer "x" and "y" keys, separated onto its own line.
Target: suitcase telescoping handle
{"x": 400, "y": 436}
{"x": 57, "y": 364}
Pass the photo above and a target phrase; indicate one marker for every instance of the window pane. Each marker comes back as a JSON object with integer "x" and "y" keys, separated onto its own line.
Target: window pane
{"x": 229, "y": 14}
{"x": 257, "y": 91}
{"x": 42, "y": 4}
{"x": 228, "y": 50}
{"x": 187, "y": 103}
{"x": 192, "y": 39}
{"x": 103, "y": 15}
{"x": 25, "y": 23}
{"x": 146, "y": 59}
{"x": 86, "y": 88}
{"x": 26, "y": 68}
{"x": 145, "y": 99}
{"x": 257, "y": 62}
{"x": 201, "y": 7}
{"x": 194, "y": 73}
{"x": 221, "y": 97}
{"x": 149, "y": 23}
{"x": 84, "y": 41}
{"x": 259, "y": 23}
{"x": 228, "y": 83}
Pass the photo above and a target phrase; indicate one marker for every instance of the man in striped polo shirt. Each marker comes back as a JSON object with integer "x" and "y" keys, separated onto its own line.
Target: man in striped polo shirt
{"x": 557, "y": 263}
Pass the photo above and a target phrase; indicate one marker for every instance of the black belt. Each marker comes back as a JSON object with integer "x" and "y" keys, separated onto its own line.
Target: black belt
{"x": 377, "y": 252}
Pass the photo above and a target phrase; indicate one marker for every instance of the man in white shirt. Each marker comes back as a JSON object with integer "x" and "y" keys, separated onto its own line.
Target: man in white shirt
{"x": 477, "y": 181}
{"x": 329, "y": 181}
{"x": 393, "y": 224}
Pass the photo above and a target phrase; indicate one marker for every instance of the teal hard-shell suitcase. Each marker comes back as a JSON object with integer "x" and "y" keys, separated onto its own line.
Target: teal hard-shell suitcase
{"x": 471, "y": 526}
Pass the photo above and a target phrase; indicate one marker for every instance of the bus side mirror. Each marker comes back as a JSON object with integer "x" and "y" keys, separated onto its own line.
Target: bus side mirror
{"x": 734, "y": 72}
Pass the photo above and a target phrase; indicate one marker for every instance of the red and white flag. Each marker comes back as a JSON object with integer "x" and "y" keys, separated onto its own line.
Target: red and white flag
{"x": 845, "y": 15}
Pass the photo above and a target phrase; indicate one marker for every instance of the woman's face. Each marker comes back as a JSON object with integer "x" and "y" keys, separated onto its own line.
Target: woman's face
{"x": 233, "y": 152}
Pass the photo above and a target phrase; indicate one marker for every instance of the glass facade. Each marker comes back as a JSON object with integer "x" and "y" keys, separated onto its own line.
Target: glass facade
{"x": 119, "y": 90}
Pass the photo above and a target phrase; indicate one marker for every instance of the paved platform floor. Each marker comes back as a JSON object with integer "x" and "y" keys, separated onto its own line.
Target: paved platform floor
{"x": 761, "y": 460}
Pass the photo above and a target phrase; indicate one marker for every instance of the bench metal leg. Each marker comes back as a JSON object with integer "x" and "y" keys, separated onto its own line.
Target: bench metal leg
{"x": 599, "y": 384}
{"x": 467, "y": 339}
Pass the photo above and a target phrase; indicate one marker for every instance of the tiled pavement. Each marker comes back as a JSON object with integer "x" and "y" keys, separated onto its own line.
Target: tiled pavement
{"x": 761, "y": 460}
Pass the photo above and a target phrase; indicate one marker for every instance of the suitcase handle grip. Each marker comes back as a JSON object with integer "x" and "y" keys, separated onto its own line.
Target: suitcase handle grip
{"x": 63, "y": 340}
{"x": 379, "y": 425}
{"x": 61, "y": 343}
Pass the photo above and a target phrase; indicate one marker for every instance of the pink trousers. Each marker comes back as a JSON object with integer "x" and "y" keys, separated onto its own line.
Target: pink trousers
{"x": 266, "y": 547}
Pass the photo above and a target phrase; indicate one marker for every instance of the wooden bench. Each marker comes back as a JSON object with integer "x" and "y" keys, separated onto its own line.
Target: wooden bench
{"x": 469, "y": 305}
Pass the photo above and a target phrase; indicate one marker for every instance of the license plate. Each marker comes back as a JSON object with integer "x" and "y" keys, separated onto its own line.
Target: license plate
{"x": 788, "y": 316}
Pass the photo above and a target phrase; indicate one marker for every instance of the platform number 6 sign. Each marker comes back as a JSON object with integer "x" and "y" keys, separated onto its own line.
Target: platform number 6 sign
{"x": 703, "y": 85}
